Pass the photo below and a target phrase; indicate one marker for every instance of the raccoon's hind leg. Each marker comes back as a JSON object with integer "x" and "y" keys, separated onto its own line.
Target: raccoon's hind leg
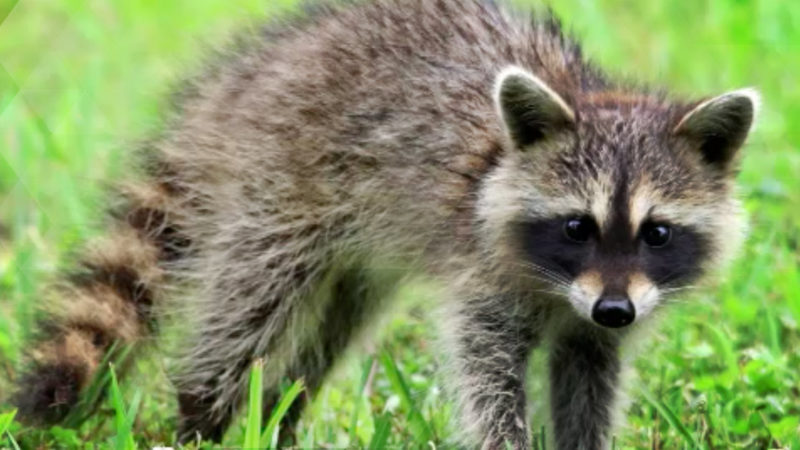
{"x": 356, "y": 298}
{"x": 250, "y": 305}
{"x": 584, "y": 368}
{"x": 282, "y": 319}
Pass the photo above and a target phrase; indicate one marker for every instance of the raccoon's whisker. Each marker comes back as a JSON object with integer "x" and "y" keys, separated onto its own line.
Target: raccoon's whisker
{"x": 669, "y": 290}
{"x": 546, "y": 279}
{"x": 669, "y": 299}
{"x": 550, "y": 272}
{"x": 561, "y": 289}
{"x": 667, "y": 283}
{"x": 551, "y": 275}
{"x": 539, "y": 267}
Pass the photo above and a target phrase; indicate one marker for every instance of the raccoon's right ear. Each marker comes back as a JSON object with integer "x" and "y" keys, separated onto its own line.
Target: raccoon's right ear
{"x": 719, "y": 126}
{"x": 530, "y": 110}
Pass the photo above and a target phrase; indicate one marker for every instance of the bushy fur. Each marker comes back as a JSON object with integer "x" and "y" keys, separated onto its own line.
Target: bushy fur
{"x": 373, "y": 135}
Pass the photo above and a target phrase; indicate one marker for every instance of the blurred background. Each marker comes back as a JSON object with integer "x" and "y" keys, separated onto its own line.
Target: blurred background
{"x": 81, "y": 81}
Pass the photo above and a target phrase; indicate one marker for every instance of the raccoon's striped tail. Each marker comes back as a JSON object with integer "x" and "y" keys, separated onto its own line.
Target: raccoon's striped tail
{"x": 107, "y": 303}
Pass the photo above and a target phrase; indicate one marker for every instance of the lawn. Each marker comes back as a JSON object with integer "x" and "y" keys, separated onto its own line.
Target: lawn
{"x": 82, "y": 80}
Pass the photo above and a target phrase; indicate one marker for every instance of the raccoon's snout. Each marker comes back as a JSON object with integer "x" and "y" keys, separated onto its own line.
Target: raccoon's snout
{"x": 614, "y": 311}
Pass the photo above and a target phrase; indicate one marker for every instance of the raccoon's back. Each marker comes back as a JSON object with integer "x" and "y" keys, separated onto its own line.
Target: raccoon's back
{"x": 388, "y": 100}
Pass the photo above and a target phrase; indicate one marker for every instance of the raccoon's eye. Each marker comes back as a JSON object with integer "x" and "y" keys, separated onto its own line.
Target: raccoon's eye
{"x": 579, "y": 229}
{"x": 655, "y": 234}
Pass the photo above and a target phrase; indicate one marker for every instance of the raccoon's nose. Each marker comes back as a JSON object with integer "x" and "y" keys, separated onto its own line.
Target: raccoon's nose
{"x": 613, "y": 311}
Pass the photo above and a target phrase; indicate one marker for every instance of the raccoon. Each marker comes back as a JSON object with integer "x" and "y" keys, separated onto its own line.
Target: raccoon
{"x": 450, "y": 138}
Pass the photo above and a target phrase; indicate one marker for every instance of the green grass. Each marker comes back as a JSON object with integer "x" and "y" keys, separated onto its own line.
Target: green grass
{"x": 81, "y": 80}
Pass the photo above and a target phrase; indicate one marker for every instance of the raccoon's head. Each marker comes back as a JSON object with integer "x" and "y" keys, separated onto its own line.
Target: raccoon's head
{"x": 616, "y": 200}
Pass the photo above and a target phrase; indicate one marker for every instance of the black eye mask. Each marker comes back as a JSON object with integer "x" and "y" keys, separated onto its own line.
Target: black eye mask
{"x": 568, "y": 246}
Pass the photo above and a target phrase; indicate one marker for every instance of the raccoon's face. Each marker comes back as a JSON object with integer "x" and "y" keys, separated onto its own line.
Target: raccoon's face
{"x": 616, "y": 201}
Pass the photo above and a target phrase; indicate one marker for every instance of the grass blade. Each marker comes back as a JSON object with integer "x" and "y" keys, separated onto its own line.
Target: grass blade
{"x": 383, "y": 427}
{"x": 254, "y": 407}
{"x": 419, "y": 427}
{"x": 543, "y": 434}
{"x": 269, "y": 438}
{"x": 367, "y": 369}
{"x": 5, "y": 420}
{"x": 670, "y": 417}
{"x": 136, "y": 403}
{"x": 14, "y": 444}
{"x": 124, "y": 438}
{"x": 99, "y": 385}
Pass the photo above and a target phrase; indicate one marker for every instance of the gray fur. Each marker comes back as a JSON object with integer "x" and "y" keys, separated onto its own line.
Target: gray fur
{"x": 371, "y": 137}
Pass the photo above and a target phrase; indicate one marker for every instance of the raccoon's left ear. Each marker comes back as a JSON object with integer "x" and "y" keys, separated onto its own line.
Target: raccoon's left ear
{"x": 719, "y": 126}
{"x": 530, "y": 110}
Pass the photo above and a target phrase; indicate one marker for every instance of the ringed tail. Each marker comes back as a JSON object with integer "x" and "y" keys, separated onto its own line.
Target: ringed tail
{"x": 106, "y": 301}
